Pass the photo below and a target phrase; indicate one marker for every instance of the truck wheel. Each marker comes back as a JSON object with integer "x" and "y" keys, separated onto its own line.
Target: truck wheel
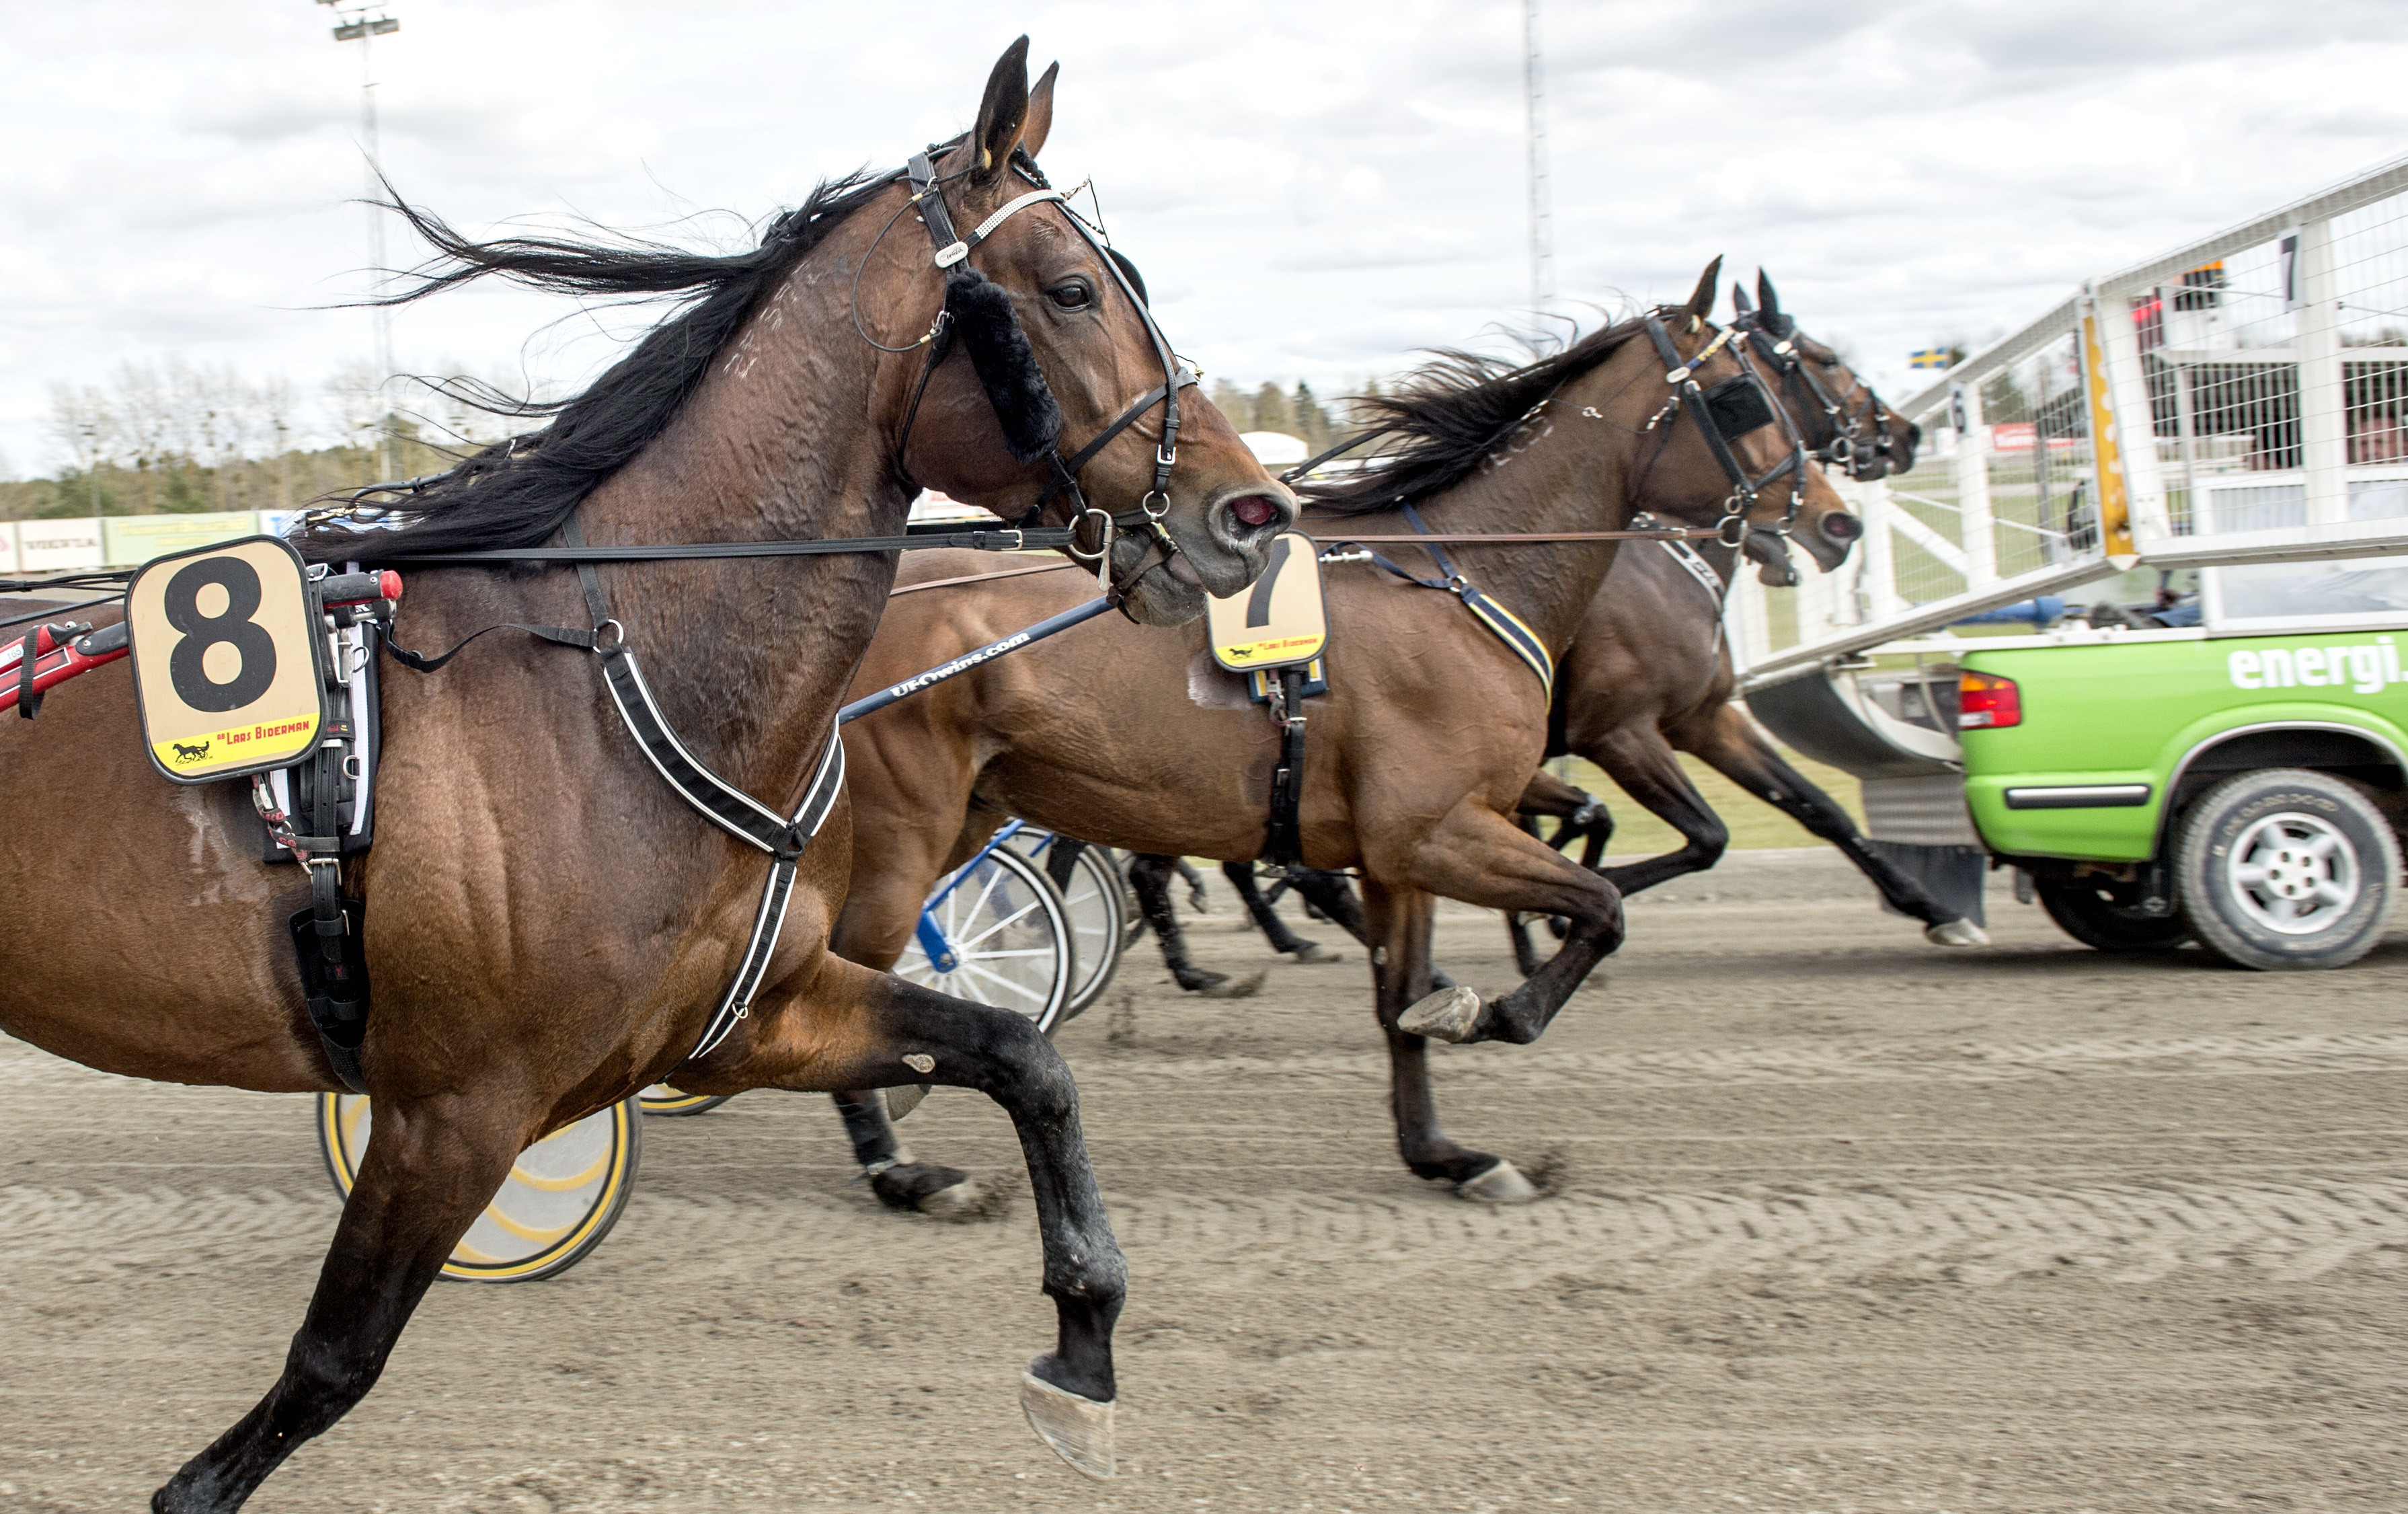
{"x": 2286, "y": 870}
{"x": 2088, "y": 913}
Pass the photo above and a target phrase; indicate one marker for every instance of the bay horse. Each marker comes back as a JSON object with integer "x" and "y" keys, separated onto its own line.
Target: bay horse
{"x": 1648, "y": 675}
{"x": 516, "y": 993}
{"x": 1431, "y": 728}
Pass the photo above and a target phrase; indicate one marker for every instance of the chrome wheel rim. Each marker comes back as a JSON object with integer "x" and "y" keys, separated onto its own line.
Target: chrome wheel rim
{"x": 2294, "y": 874}
{"x": 1007, "y": 954}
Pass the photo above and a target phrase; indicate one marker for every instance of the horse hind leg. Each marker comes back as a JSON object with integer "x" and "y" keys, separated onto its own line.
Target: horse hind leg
{"x": 901, "y": 1180}
{"x": 429, "y": 1171}
{"x": 1731, "y": 747}
{"x": 1150, "y": 876}
{"x": 1283, "y": 940}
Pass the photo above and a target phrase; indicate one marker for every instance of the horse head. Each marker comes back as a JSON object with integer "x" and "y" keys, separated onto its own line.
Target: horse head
{"x": 1845, "y": 423}
{"x": 1785, "y": 497}
{"x": 1050, "y": 393}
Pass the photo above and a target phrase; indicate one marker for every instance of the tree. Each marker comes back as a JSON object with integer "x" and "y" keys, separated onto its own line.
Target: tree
{"x": 1271, "y": 411}
{"x": 1232, "y": 402}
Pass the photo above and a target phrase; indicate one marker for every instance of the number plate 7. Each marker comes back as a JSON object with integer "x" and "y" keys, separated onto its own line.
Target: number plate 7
{"x": 228, "y": 662}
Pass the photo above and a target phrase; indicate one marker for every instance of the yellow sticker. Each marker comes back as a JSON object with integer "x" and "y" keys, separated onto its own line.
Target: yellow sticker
{"x": 229, "y": 664}
{"x": 1278, "y": 619}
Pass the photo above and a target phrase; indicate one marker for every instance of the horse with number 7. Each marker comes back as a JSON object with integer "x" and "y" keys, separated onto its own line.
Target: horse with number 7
{"x": 795, "y": 399}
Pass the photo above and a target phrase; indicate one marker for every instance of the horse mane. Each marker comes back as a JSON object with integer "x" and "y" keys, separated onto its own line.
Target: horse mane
{"x": 516, "y": 492}
{"x": 1450, "y": 414}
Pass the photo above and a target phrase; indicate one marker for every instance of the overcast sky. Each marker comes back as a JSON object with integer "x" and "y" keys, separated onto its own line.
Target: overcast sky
{"x": 1315, "y": 189}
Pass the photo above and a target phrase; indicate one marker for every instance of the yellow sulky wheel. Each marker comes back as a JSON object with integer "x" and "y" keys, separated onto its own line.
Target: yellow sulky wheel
{"x": 660, "y": 1098}
{"x": 563, "y": 1195}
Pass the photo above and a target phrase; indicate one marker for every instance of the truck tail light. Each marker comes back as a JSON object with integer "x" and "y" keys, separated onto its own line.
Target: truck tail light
{"x": 1985, "y": 702}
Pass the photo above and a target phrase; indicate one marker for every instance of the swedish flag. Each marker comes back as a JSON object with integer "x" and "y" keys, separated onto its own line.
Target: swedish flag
{"x": 1928, "y": 358}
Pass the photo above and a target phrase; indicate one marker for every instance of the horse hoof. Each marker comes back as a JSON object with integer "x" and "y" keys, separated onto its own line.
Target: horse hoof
{"x": 1501, "y": 1184}
{"x": 1957, "y": 933}
{"x": 1227, "y": 988}
{"x": 1314, "y": 952}
{"x": 963, "y": 1200}
{"x": 1078, "y": 1429}
{"x": 901, "y": 1102}
{"x": 1447, "y": 1015}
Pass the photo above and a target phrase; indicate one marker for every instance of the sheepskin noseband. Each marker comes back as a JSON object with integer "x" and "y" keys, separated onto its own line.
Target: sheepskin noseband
{"x": 1005, "y": 362}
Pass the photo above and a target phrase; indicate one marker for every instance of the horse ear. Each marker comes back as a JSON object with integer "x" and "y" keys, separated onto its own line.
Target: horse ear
{"x": 1764, "y": 291}
{"x": 1740, "y": 301}
{"x": 1003, "y": 112}
{"x": 1040, "y": 113}
{"x": 1701, "y": 303}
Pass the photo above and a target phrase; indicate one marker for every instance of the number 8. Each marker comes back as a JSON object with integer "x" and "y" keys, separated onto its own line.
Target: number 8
{"x": 256, "y": 668}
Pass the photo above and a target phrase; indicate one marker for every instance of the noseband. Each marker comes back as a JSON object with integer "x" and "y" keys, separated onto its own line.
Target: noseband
{"x": 982, "y": 315}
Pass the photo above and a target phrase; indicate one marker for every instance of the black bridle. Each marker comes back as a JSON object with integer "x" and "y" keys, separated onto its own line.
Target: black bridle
{"x": 1006, "y": 360}
{"x": 1724, "y": 413}
{"x": 1858, "y": 439}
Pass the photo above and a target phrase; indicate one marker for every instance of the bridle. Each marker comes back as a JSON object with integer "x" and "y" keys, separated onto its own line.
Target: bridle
{"x": 1724, "y": 413}
{"x": 1860, "y": 439}
{"x": 1093, "y": 530}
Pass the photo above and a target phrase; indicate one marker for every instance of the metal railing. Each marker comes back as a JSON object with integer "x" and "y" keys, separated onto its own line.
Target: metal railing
{"x": 2249, "y": 393}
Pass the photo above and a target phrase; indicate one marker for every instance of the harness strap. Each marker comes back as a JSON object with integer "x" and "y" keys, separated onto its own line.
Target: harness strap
{"x": 1518, "y": 638}
{"x": 1284, "y": 846}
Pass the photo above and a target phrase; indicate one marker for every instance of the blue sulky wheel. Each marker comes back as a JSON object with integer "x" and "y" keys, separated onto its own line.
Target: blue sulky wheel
{"x": 1095, "y": 899}
{"x": 563, "y": 1195}
{"x": 996, "y": 934}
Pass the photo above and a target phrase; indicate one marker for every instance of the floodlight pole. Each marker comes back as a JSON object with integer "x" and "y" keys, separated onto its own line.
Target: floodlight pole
{"x": 1534, "y": 97}
{"x": 362, "y": 28}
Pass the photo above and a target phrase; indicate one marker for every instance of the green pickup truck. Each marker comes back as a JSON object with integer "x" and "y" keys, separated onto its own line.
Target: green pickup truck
{"x": 2240, "y": 785}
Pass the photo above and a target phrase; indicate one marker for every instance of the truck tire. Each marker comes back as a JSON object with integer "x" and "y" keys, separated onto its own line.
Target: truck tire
{"x": 2088, "y": 913}
{"x": 2285, "y": 870}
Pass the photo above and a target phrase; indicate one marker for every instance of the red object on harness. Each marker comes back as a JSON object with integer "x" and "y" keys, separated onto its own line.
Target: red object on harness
{"x": 54, "y": 663}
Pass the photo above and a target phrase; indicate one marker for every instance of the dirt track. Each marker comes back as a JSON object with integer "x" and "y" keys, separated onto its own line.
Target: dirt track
{"x": 1839, "y": 1223}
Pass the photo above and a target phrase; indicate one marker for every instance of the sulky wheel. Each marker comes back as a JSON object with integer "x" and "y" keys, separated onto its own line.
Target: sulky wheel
{"x": 660, "y": 1098}
{"x": 1095, "y": 896}
{"x": 2088, "y": 912}
{"x": 2285, "y": 870}
{"x": 563, "y": 1195}
{"x": 996, "y": 934}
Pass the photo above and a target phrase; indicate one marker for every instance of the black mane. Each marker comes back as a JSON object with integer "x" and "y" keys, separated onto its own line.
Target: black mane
{"x": 1452, "y": 414}
{"x": 518, "y": 493}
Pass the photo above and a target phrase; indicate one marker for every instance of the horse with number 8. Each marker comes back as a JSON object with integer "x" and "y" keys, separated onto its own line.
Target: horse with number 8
{"x": 553, "y": 925}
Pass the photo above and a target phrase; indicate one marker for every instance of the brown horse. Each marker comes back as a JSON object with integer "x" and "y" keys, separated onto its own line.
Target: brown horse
{"x": 1649, "y": 677}
{"x": 1418, "y": 753}
{"x": 552, "y": 927}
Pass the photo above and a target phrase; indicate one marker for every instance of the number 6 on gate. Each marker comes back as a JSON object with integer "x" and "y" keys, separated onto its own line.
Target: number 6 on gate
{"x": 229, "y": 664}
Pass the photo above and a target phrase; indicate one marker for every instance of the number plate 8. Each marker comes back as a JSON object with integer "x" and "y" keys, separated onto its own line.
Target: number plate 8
{"x": 228, "y": 663}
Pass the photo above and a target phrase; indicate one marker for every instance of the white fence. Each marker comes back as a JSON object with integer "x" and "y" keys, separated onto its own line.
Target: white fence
{"x": 2249, "y": 394}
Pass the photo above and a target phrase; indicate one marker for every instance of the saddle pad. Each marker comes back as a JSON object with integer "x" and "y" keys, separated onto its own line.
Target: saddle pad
{"x": 1278, "y": 618}
{"x": 229, "y": 666}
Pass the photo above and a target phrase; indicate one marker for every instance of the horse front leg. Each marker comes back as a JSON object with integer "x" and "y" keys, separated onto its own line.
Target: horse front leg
{"x": 1642, "y": 763}
{"x": 899, "y": 1179}
{"x": 1729, "y": 745}
{"x": 1580, "y": 815}
{"x": 1480, "y": 857}
{"x": 851, "y": 1028}
{"x": 1399, "y": 921}
{"x": 431, "y": 1168}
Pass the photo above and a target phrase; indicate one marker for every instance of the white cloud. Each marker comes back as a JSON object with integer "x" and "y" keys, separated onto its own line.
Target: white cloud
{"x": 1314, "y": 191}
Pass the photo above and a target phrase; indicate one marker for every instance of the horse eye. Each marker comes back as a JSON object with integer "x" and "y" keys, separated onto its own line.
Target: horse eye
{"x": 1072, "y": 294}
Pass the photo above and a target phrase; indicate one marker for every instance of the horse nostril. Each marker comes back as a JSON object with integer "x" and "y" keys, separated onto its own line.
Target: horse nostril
{"x": 1840, "y": 528}
{"x": 1255, "y": 510}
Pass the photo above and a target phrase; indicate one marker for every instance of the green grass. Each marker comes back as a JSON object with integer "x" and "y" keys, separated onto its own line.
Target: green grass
{"x": 1754, "y": 824}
